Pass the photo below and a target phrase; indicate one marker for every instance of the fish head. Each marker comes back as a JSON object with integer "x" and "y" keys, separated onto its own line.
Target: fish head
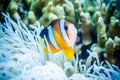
{"x": 71, "y": 32}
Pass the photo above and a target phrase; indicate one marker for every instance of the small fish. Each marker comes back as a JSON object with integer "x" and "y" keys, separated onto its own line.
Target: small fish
{"x": 60, "y": 34}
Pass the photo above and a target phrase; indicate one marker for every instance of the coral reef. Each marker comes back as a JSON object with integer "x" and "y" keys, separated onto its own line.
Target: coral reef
{"x": 13, "y": 9}
{"x": 101, "y": 32}
{"x": 109, "y": 50}
{"x": 114, "y": 27}
{"x": 97, "y": 48}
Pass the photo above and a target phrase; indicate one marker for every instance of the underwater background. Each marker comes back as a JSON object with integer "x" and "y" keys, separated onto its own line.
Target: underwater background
{"x": 97, "y": 49}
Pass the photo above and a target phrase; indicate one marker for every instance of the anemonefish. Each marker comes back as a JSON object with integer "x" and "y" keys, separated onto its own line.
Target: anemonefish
{"x": 61, "y": 34}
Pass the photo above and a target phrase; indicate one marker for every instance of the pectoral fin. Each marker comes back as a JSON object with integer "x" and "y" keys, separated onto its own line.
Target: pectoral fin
{"x": 69, "y": 52}
{"x": 46, "y": 50}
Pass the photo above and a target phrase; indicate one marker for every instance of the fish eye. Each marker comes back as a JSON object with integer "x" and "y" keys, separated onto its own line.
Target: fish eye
{"x": 66, "y": 27}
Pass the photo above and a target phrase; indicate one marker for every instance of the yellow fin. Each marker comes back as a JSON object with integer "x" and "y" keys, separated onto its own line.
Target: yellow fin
{"x": 40, "y": 40}
{"x": 68, "y": 52}
{"x": 45, "y": 49}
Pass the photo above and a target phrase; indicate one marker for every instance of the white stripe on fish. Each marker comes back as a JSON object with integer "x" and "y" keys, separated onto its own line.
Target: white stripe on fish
{"x": 64, "y": 34}
{"x": 51, "y": 37}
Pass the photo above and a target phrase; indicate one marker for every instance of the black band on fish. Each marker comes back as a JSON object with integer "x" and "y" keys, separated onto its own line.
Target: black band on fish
{"x": 44, "y": 32}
